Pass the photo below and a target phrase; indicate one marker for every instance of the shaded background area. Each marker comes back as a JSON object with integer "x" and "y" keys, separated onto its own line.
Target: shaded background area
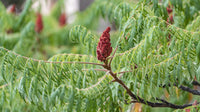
{"x": 18, "y": 3}
{"x": 83, "y": 4}
{"x": 72, "y": 6}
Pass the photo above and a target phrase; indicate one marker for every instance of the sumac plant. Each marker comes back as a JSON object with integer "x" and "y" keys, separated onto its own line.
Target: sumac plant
{"x": 148, "y": 61}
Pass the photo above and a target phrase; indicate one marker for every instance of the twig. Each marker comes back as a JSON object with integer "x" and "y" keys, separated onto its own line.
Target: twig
{"x": 95, "y": 70}
{"x": 4, "y": 86}
{"x": 36, "y": 60}
{"x": 195, "y": 83}
{"x": 105, "y": 70}
{"x": 164, "y": 104}
{"x": 134, "y": 101}
{"x": 194, "y": 92}
{"x": 173, "y": 105}
{"x": 178, "y": 28}
{"x": 112, "y": 56}
{"x": 152, "y": 104}
{"x": 86, "y": 63}
{"x": 124, "y": 72}
{"x": 139, "y": 99}
{"x": 184, "y": 88}
{"x": 95, "y": 85}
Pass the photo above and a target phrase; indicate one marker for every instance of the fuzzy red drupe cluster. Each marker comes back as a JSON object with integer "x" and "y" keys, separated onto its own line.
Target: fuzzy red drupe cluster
{"x": 104, "y": 48}
{"x": 13, "y": 9}
{"x": 170, "y": 19}
{"x": 39, "y": 23}
{"x": 62, "y": 19}
{"x": 169, "y": 9}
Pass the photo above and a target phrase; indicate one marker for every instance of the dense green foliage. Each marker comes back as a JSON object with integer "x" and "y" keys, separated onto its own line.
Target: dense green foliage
{"x": 57, "y": 72}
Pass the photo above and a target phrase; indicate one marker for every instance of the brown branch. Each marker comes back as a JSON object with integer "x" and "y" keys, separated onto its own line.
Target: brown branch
{"x": 194, "y": 92}
{"x": 195, "y": 83}
{"x": 152, "y": 104}
{"x": 175, "y": 106}
{"x": 184, "y": 88}
{"x": 164, "y": 104}
{"x": 139, "y": 99}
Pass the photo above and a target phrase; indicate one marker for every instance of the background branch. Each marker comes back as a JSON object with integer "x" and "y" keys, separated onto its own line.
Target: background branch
{"x": 194, "y": 92}
{"x": 195, "y": 83}
{"x": 184, "y": 88}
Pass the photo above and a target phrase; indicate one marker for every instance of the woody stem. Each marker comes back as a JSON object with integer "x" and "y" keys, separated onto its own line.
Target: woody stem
{"x": 139, "y": 99}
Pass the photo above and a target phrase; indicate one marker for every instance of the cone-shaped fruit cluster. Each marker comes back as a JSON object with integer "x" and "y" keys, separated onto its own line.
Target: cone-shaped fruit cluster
{"x": 169, "y": 9}
{"x": 13, "y": 9}
{"x": 39, "y": 23}
{"x": 104, "y": 48}
{"x": 170, "y": 19}
{"x": 62, "y": 19}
